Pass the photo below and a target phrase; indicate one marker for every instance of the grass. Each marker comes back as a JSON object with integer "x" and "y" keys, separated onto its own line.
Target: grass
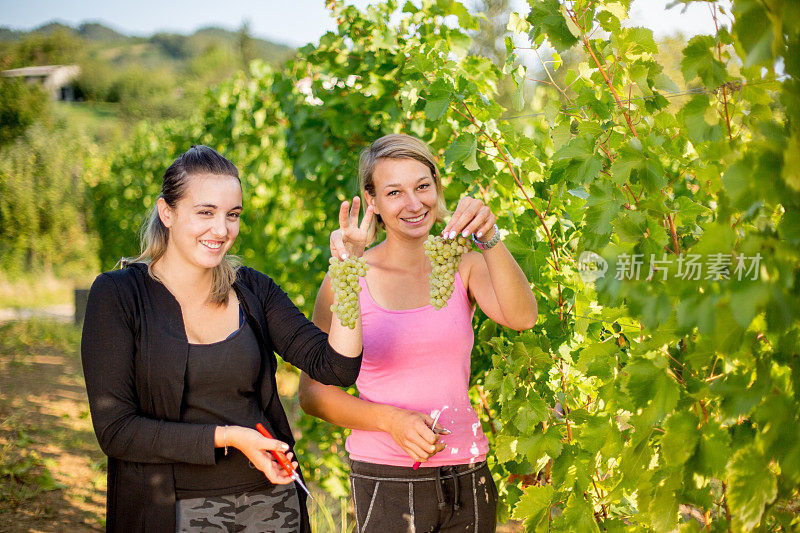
{"x": 100, "y": 121}
{"x": 37, "y": 290}
{"x": 330, "y": 514}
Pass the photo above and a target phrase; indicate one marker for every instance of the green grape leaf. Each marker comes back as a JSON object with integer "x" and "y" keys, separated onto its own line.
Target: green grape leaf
{"x": 598, "y": 359}
{"x": 537, "y": 445}
{"x": 505, "y": 448}
{"x": 751, "y": 486}
{"x": 602, "y": 207}
{"x": 546, "y": 18}
{"x": 699, "y": 61}
{"x": 755, "y": 30}
{"x": 531, "y": 413}
{"x": 680, "y": 438}
{"x": 534, "y": 505}
{"x": 460, "y": 148}
{"x": 578, "y": 515}
{"x": 435, "y": 107}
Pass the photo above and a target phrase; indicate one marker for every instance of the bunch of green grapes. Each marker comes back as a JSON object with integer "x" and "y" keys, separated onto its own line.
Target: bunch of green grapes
{"x": 444, "y": 255}
{"x": 344, "y": 275}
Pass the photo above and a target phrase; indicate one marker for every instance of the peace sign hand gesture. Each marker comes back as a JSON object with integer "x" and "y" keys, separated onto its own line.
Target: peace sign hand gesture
{"x": 351, "y": 237}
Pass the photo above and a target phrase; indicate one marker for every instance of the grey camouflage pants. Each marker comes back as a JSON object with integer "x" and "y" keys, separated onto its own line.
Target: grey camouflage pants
{"x": 276, "y": 509}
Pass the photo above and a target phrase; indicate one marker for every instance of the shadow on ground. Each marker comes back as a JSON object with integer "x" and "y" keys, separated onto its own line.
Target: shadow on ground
{"x": 53, "y": 476}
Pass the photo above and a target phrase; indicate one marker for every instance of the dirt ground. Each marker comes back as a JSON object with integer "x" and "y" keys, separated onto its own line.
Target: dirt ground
{"x": 53, "y": 471}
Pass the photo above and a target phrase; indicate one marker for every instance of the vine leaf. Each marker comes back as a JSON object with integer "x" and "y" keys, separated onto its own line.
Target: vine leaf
{"x": 751, "y": 486}
{"x": 534, "y": 506}
{"x": 459, "y": 148}
{"x": 699, "y": 62}
{"x": 435, "y": 107}
{"x": 680, "y": 438}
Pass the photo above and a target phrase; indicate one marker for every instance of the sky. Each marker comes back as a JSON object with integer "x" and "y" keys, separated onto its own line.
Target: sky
{"x": 292, "y": 22}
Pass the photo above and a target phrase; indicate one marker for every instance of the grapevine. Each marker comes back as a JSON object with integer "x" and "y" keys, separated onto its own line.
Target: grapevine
{"x": 445, "y": 255}
{"x": 344, "y": 279}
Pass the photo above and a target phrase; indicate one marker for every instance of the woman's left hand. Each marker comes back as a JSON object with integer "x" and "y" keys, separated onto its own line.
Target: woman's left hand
{"x": 351, "y": 237}
{"x": 472, "y": 217}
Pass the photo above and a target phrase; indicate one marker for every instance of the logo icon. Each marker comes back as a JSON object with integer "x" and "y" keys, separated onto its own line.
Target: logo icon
{"x": 591, "y": 266}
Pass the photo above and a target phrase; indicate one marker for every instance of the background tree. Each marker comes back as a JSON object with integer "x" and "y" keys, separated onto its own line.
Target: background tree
{"x": 21, "y": 104}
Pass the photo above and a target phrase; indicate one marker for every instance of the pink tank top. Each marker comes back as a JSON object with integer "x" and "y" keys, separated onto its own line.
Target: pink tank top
{"x": 419, "y": 359}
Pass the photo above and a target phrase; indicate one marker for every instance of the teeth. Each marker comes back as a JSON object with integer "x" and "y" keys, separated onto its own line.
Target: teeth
{"x": 214, "y": 245}
{"x": 415, "y": 219}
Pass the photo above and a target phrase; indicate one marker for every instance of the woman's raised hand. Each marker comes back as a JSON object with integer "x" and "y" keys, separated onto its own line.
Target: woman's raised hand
{"x": 412, "y": 431}
{"x": 257, "y": 449}
{"x": 351, "y": 237}
{"x": 472, "y": 217}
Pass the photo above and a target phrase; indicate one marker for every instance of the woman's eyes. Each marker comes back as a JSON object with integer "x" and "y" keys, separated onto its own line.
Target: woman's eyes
{"x": 209, "y": 213}
{"x": 423, "y": 186}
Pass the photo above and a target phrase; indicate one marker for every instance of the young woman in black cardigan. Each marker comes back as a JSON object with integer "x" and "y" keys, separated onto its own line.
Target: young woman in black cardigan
{"x": 178, "y": 351}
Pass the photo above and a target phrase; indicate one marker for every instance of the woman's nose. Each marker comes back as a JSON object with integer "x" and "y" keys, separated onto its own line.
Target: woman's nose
{"x": 220, "y": 229}
{"x": 413, "y": 203}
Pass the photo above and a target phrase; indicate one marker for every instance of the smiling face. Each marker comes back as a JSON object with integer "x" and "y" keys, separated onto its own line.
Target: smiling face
{"x": 405, "y": 196}
{"x": 204, "y": 223}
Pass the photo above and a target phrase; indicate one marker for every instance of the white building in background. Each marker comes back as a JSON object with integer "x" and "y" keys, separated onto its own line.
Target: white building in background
{"x": 55, "y": 79}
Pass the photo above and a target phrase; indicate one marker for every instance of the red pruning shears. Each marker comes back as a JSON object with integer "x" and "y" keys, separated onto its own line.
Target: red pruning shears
{"x": 284, "y": 461}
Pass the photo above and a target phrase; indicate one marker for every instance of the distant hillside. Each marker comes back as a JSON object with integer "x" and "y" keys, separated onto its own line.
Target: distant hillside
{"x": 94, "y": 31}
{"x": 172, "y": 45}
{"x": 160, "y": 76}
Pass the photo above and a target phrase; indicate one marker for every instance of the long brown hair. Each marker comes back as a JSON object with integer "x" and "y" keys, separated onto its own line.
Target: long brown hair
{"x": 198, "y": 159}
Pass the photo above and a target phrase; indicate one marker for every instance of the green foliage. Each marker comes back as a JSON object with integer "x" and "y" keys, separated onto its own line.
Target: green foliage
{"x": 21, "y": 105}
{"x": 632, "y": 396}
{"x": 42, "y": 203}
{"x": 58, "y": 45}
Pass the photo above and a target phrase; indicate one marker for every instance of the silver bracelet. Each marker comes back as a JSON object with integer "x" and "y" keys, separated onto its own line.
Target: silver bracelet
{"x": 491, "y": 242}
{"x": 225, "y": 438}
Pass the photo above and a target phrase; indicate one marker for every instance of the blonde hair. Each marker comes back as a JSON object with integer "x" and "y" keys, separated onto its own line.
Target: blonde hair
{"x": 398, "y": 146}
{"x": 198, "y": 159}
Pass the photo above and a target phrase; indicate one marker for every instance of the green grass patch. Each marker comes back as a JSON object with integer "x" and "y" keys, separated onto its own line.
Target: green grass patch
{"x": 38, "y": 289}
{"x": 23, "y": 472}
{"x": 101, "y": 121}
{"x": 19, "y": 338}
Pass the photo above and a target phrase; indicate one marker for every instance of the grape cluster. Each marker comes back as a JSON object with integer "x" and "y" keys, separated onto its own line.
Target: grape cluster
{"x": 444, "y": 255}
{"x": 344, "y": 275}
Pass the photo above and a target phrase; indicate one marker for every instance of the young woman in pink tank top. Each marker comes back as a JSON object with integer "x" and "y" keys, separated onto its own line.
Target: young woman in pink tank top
{"x": 416, "y": 361}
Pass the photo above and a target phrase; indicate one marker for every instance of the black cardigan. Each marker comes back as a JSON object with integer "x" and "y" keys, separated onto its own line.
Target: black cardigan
{"x": 134, "y": 352}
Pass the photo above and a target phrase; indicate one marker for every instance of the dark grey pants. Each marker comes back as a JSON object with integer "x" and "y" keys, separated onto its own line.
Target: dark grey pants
{"x": 276, "y": 509}
{"x": 448, "y": 498}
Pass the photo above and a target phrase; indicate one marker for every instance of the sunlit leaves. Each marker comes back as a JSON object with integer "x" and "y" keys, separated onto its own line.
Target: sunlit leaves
{"x": 546, "y": 18}
{"x": 602, "y": 208}
{"x": 751, "y": 486}
{"x": 534, "y": 506}
{"x": 699, "y": 61}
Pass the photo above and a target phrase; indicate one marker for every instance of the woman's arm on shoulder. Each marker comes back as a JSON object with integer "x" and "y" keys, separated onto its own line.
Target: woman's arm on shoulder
{"x": 498, "y": 285}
